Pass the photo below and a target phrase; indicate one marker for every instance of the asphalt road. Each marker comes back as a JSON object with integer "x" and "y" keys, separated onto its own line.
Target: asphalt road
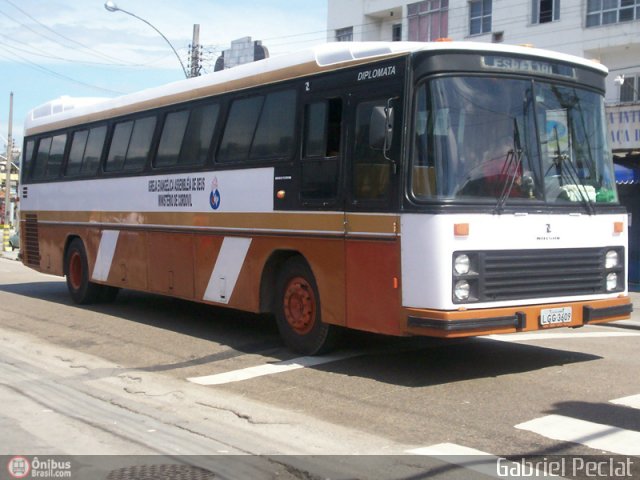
{"x": 153, "y": 375}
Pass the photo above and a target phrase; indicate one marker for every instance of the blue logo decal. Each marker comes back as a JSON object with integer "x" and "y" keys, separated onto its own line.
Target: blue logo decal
{"x": 214, "y": 197}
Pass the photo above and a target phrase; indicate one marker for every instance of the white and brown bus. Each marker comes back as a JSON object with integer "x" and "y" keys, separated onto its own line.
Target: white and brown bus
{"x": 441, "y": 189}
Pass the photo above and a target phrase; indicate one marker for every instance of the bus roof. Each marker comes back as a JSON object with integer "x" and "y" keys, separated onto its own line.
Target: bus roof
{"x": 327, "y": 57}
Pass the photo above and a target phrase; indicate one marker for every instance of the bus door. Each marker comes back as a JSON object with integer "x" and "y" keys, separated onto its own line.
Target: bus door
{"x": 322, "y": 191}
{"x": 372, "y": 246}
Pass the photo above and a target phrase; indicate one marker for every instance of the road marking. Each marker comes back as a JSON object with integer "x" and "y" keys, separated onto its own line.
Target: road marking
{"x": 594, "y": 435}
{"x": 271, "y": 368}
{"x": 525, "y": 337}
{"x": 476, "y": 460}
{"x": 632, "y": 401}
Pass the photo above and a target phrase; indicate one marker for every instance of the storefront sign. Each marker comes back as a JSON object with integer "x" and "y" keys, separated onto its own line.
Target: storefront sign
{"x": 624, "y": 127}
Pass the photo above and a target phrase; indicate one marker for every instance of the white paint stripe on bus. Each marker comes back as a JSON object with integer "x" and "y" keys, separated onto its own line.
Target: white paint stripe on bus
{"x": 472, "y": 459}
{"x": 594, "y": 435}
{"x": 227, "y": 269}
{"x": 632, "y": 401}
{"x": 271, "y": 368}
{"x": 525, "y": 337}
{"x": 106, "y": 250}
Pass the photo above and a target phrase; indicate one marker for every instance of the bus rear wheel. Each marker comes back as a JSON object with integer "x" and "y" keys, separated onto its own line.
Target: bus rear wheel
{"x": 81, "y": 289}
{"x": 298, "y": 313}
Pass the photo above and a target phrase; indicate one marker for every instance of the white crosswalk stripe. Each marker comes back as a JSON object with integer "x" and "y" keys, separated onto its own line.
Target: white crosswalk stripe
{"x": 478, "y": 461}
{"x": 593, "y": 435}
{"x": 632, "y": 401}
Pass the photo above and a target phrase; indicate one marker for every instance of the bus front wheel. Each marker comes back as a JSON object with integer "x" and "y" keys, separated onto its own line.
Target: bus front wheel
{"x": 298, "y": 313}
{"x": 81, "y": 289}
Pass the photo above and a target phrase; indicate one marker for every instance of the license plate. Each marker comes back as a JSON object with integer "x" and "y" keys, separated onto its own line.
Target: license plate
{"x": 555, "y": 316}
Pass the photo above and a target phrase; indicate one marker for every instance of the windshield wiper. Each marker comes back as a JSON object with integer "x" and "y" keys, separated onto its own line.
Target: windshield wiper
{"x": 571, "y": 174}
{"x": 514, "y": 159}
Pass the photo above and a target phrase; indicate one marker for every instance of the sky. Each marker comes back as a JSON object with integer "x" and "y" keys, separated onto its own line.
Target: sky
{"x": 51, "y": 48}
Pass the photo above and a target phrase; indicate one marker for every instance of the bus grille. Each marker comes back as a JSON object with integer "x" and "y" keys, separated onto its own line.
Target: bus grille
{"x": 31, "y": 241}
{"x": 523, "y": 274}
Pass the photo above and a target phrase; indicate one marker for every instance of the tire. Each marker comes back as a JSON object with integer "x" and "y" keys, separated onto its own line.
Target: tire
{"x": 298, "y": 313}
{"x": 76, "y": 267}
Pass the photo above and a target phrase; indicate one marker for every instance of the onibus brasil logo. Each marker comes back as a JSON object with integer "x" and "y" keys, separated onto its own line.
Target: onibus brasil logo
{"x": 19, "y": 467}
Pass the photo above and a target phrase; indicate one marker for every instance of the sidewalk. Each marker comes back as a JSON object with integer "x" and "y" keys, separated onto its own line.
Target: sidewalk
{"x": 10, "y": 255}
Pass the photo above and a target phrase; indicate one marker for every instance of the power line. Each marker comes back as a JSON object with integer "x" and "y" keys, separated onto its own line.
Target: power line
{"x": 92, "y": 50}
{"x": 48, "y": 71}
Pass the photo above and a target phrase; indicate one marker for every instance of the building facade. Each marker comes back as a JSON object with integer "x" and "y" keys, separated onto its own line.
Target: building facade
{"x": 604, "y": 30}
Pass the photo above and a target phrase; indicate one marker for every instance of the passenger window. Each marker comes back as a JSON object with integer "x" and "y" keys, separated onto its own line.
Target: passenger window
{"x": 42, "y": 156}
{"x": 56, "y": 155}
{"x": 260, "y": 127}
{"x": 93, "y": 152}
{"x": 140, "y": 144}
{"x": 238, "y": 133}
{"x": 130, "y": 145}
{"x": 119, "y": 146}
{"x": 171, "y": 139}
{"x": 276, "y": 130}
{"x": 27, "y": 157}
{"x": 197, "y": 140}
{"x": 78, "y": 145}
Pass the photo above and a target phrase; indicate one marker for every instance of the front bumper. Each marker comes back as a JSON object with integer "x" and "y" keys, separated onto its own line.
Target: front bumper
{"x": 466, "y": 323}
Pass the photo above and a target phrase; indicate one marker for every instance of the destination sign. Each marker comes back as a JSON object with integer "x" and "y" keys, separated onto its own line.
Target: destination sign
{"x": 522, "y": 65}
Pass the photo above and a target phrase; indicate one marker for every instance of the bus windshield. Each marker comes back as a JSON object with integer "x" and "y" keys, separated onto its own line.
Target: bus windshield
{"x": 509, "y": 141}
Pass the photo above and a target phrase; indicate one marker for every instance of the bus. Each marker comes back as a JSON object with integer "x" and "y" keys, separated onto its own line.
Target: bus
{"x": 444, "y": 189}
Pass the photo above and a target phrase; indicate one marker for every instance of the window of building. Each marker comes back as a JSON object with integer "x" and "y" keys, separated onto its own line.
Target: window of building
{"x": 545, "y": 11}
{"x": 629, "y": 89}
{"x": 344, "y": 34}
{"x": 606, "y": 12}
{"x": 480, "y": 16}
{"x": 396, "y": 33}
{"x": 428, "y": 20}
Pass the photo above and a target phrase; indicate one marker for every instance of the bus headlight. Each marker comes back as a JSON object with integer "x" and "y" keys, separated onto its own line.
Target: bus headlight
{"x": 461, "y": 264}
{"x": 612, "y": 282}
{"x": 611, "y": 259}
{"x": 462, "y": 290}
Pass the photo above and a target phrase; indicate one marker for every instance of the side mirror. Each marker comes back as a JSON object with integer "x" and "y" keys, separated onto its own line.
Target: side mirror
{"x": 381, "y": 128}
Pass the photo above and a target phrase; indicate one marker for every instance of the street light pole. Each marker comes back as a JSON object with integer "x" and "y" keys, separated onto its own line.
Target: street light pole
{"x": 112, "y": 7}
{"x": 7, "y": 184}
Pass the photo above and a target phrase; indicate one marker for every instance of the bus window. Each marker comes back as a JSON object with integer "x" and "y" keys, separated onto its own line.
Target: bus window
{"x": 238, "y": 133}
{"x": 171, "y": 139}
{"x": 321, "y": 148}
{"x": 197, "y": 139}
{"x": 28, "y": 157}
{"x": 276, "y": 129}
{"x": 372, "y": 170}
{"x": 78, "y": 145}
{"x": 40, "y": 164}
{"x": 130, "y": 145}
{"x": 260, "y": 127}
{"x": 119, "y": 145}
{"x": 93, "y": 152}
{"x": 86, "y": 149}
{"x": 140, "y": 143}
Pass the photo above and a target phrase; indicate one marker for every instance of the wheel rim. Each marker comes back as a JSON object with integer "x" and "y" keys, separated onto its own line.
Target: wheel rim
{"x": 300, "y": 305}
{"x": 75, "y": 270}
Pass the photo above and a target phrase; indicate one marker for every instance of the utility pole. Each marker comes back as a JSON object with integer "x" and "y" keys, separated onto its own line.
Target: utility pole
{"x": 195, "y": 52}
{"x": 7, "y": 183}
